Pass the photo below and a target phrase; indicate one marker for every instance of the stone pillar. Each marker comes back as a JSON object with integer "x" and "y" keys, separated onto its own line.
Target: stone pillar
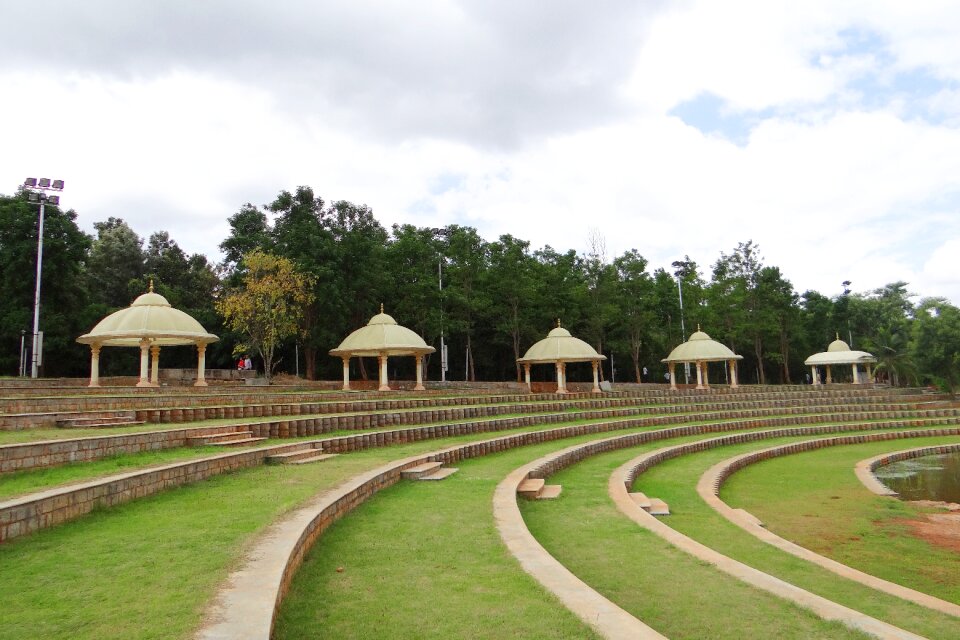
{"x": 673, "y": 377}
{"x": 699, "y": 376}
{"x": 526, "y": 375}
{"x": 596, "y": 379}
{"x": 201, "y": 365}
{"x": 384, "y": 385}
{"x": 733, "y": 375}
{"x": 561, "y": 377}
{"x": 829, "y": 377}
{"x": 144, "y": 363}
{"x": 419, "y": 386}
{"x": 869, "y": 373}
{"x": 816, "y": 375}
{"x": 94, "y": 365}
{"x": 346, "y": 373}
{"x": 155, "y": 368}
{"x": 856, "y": 376}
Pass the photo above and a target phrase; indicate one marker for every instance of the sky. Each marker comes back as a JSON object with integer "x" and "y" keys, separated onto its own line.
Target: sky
{"x": 826, "y": 132}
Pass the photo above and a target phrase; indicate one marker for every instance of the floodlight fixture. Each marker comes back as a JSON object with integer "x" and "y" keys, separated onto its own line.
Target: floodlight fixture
{"x": 36, "y": 193}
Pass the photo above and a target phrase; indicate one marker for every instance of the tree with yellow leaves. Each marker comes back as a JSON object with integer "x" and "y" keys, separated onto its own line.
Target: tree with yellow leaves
{"x": 270, "y": 305}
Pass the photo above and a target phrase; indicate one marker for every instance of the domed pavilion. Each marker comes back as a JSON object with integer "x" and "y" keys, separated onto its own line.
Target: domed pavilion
{"x": 381, "y": 338}
{"x": 839, "y": 353}
{"x": 149, "y": 323}
{"x": 701, "y": 349}
{"x": 560, "y": 348}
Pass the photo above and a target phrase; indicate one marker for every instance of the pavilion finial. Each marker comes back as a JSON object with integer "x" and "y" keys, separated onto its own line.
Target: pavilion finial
{"x": 698, "y": 326}
{"x": 381, "y": 307}
{"x": 558, "y": 323}
{"x": 151, "y": 285}
{"x": 838, "y": 335}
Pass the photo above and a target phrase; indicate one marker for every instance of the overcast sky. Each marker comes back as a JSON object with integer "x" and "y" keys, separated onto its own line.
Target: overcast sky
{"x": 826, "y": 132}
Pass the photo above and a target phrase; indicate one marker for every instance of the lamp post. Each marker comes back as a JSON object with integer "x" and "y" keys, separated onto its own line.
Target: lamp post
{"x": 37, "y": 192}
{"x": 678, "y": 265}
{"x": 846, "y": 294}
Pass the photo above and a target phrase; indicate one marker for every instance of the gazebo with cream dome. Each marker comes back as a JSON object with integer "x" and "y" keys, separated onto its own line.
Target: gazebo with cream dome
{"x": 560, "y": 348}
{"x": 839, "y": 353}
{"x": 149, "y": 323}
{"x": 701, "y": 349}
{"x": 381, "y": 338}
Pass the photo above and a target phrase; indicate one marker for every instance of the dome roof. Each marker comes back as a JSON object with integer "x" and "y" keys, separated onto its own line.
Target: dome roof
{"x": 838, "y": 345}
{"x": 382, "y": 335}
{"x": 151, "y": 317}
{"x": 839, "y": 352}
{"x": 560, "y": 346}
{"x": 701, "y": 347}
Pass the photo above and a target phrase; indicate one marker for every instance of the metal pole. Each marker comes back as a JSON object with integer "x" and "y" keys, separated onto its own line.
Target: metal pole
{"x": 22, "y": 369}
{"x": 36, "y": 298}
{"x": 443, "y": 350}
{"x": 683, "y": 332}
{"x": 296, "y": 357}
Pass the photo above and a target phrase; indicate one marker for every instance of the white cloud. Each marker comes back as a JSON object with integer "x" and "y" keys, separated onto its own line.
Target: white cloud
{"x": 540, "y": 125}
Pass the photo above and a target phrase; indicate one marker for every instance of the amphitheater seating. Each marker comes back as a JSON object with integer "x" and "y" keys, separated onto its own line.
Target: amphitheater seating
{"x": 265, "y": 417}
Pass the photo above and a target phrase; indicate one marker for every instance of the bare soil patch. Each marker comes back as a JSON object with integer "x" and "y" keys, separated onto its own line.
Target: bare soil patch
{"x": 939, "y": 529}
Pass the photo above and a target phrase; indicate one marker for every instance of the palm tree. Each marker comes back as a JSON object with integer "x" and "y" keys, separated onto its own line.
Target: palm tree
{"x": 891, "y": 350}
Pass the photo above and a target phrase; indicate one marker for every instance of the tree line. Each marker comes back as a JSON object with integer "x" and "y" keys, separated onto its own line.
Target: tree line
{"x": 497, "y": 298}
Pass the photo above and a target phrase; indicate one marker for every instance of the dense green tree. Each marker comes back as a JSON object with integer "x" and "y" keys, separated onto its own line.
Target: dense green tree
{"x": 464, "y": 298}
{"x": 511, "y": 290}
{"x": 116, "y": 262}
{"x": 936, "y": 334}
{"x": 635, "y": 304}
{"x": 63, "y": 289}
{"x": 270, "y": 305}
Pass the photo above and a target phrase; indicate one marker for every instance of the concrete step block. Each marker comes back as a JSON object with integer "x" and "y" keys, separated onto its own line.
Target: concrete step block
{"x": 320, "y": 457}
{"x": 531, "y": 488}
{"x": 641, "y": 500}
{"x": 658, "y": 507}
{"x": 414, "y": 473}
{"x": 242, "y": 442}
{"x": 439, "y": 474}
{"x": 550, "y": 492}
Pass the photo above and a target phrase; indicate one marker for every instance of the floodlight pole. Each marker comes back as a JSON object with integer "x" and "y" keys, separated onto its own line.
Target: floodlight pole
{"x": 31, "y": 185}
{"x": 683, "y": 332}
{"x": 443, "y": 349}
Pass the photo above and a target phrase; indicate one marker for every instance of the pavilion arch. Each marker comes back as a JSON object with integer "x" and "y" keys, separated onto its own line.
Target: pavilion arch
{"x": 148, "y": 323}
{"x": 839, "y": 353}
{"x": 560, "y": 348}
{"x": 701, "y": 349}
{"x": 381, "y": 338}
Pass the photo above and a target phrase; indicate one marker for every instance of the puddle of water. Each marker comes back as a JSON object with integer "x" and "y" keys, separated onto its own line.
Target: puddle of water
{"x": 927, "y": 478}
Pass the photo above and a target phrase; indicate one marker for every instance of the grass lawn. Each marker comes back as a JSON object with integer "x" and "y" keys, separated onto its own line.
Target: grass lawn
{"x": 147, "y": 568}
{"x": 671, "y": 591}
{"x": 815, "y": 500}
{"x": 675, "y": 482}
{"x": 424, "y": 560}
{"x": 22, "y": 482}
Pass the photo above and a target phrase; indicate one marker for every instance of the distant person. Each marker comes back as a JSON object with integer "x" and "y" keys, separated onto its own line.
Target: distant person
{"x": 247, "y": 363}
{"x": 644, "y": 375}
{"x": 240, "y": 364}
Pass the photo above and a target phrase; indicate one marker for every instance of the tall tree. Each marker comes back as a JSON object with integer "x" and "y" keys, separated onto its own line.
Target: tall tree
{"x": 635, "y": 296}
{"x": 269, "y": 308}
{"x": 63, "y": 314}
{"x": 511, "y": 286}
{"x": 936, "y": 335}
{"x": 116, "y": 259}
{"x": 468, "y": 254}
